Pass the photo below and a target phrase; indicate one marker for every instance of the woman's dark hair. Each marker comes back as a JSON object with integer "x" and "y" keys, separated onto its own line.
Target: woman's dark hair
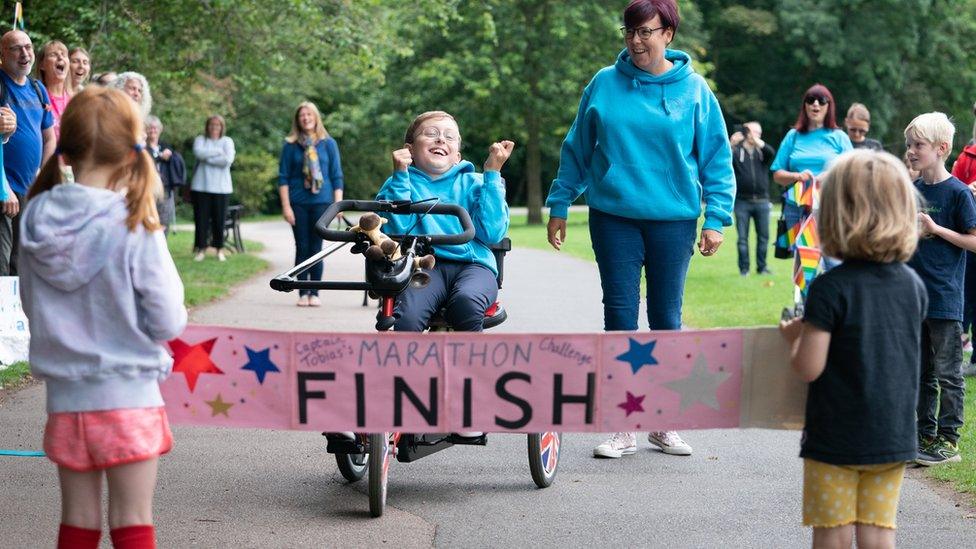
{"x": 638, "y": 11}
{"x": 802, "y": 124}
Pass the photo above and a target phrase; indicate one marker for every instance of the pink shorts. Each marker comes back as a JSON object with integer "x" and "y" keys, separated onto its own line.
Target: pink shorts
{"x": 89, "y": 441}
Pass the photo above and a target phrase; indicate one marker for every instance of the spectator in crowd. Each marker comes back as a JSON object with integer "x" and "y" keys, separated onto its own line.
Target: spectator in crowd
{"x": 136, "y": 86}
{"x": 53, "y": 71}
{"x": 172, "y": 171}
{"x": 309, "y": 179}
{"x": 105, "y": 78}
{"x": 211, "y": 187}
{"x": 649, "y": 148}
{"x": 964, "y": 170}
{"x": 31, "y": 144}
{"x": 858, "y": 124}
{"x": 751, "y": 158}
{"x": 949, "y": 223}
{"x": 80, "y": 68}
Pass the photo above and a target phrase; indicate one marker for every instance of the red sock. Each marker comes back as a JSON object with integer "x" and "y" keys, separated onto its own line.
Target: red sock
{"x": 72, "y": 537}
{"x": 134, "y": 537}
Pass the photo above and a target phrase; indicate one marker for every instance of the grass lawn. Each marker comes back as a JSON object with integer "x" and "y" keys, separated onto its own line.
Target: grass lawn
{"x": 716, "y": 296}
{"x": 210, "y": 279}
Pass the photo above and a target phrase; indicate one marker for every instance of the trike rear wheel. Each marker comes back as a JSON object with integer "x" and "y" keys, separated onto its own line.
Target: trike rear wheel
{"x": 378, "y": 464}
{"x": 353, "y": 466}
{"x": 544, "y": 457}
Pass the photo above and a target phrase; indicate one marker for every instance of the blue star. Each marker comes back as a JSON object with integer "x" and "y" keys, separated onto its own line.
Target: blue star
{"x": 639, "y": 355}
{"x": 259, "y": 362}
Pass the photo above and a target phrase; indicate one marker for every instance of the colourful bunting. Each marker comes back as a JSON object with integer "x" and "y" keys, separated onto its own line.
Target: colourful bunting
{"x": 806, "y": 265}
{"x": 807, "y": 236}
{"x": 18, "y": 17}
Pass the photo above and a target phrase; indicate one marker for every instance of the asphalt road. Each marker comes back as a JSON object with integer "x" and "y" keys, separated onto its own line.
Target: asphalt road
{"x": 261, "y": 488}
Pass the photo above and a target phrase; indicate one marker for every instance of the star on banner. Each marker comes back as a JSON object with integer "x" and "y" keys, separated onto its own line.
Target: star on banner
{"x": 700, "y": 385}
{"x": 633, "y": 404}
{"x": 193, "y": 360}
{"x": 639, "y": 355}
{"x": 218, "y": 406}
{"x": 260, "y": 363}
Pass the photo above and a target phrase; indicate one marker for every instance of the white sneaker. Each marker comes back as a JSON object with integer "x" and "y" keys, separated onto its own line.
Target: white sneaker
{"x": 619, "y": 444}
{"x": 199, "y": 257}
{"x": 669, "y": 442}
{"x": 221, "y": 256}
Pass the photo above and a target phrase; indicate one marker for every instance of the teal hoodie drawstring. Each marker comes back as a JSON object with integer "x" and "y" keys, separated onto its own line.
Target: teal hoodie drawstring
{"x": 664, "y": 101}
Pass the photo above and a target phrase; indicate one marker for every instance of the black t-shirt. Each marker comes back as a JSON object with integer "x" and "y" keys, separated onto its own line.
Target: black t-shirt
{"x": 870, "y": 144}
{"x": 942, "y": 265}
{"x": 861, "y": 410}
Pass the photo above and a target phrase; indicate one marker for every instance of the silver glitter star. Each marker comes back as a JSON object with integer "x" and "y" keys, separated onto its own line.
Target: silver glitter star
{"x": 700, "y": 386}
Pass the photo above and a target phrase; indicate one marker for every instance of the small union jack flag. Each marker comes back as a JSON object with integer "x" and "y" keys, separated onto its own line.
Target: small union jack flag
{"x": 549, "y": 446}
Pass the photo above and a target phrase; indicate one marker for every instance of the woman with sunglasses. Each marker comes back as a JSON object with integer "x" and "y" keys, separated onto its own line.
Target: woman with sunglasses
{"x": 648, "y": 147}
{"x": 813, "y": 142}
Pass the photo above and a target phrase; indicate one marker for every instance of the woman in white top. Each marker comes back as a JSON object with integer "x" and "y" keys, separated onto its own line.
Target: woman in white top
{"x": 211, "y": 187}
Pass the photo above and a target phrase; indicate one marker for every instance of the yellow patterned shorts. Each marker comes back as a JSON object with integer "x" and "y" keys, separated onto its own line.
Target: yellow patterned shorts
{"x": 836, "y": 495}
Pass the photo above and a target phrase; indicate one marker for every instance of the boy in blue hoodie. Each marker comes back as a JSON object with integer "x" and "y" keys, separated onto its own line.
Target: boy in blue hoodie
{"x": 464, "y": 278}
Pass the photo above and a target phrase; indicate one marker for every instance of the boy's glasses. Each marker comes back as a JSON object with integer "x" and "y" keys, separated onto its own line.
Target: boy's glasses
{"x": 642, "y": 32}
{"x": 434, "y": 133}
{"x": 819, "y": 99}
{"x": 858, "y": 131}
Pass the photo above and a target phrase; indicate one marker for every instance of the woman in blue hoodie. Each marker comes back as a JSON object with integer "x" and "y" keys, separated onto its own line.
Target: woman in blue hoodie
{"x": 430, "y": 166}
{"x": 648, "y": 147}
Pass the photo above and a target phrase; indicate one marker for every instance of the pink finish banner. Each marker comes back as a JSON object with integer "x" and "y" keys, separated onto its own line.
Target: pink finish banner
{"x": 448, "y": 382}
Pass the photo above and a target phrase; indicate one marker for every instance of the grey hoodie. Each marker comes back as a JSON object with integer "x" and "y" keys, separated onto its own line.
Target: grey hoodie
{"x": 100, "y": 300}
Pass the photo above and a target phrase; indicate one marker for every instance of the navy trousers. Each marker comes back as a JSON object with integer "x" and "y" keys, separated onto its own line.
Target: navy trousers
{"x": 465, "y": 290}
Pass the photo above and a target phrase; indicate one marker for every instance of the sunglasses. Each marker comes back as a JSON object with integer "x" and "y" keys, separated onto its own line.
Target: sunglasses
{"x": 811, "y": 99}
{"x": 858, "y": 131}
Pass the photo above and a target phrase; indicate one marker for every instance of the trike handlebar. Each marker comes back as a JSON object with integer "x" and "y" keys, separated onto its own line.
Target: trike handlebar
{"x": 396, "y": 207}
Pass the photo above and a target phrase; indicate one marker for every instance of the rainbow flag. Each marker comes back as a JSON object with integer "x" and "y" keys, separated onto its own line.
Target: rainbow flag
{"x": 802, "y": 194}
{"x": 18, "y": 17}
{"x": 806, "y": 265}
{"x": 788, "y": 239}
{"x": 807, "y": 235}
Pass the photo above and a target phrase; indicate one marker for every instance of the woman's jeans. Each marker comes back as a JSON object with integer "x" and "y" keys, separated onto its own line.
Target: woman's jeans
{"x": 209, "y": 212}
{"x": 307, "y": 241}
{"x": 623, "y": 247}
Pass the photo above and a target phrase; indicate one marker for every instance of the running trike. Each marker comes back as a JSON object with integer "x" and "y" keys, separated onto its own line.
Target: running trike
{"x": 385, "y": 279}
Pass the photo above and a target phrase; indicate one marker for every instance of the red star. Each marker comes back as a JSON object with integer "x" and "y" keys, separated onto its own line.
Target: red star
{"x": 633, "y": 403}
{"x": 193, "y": 360}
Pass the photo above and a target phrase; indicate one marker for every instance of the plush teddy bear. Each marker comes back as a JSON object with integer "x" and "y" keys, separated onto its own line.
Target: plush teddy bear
{"x": 384, "y": 246}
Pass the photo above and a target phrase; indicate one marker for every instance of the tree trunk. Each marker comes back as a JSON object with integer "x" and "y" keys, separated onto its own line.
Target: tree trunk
{"x": 533, "y": 163}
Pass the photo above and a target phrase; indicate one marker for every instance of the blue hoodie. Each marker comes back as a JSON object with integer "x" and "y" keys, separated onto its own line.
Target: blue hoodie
{"x": 482, "y": 195}
{"x": 648, "y": 147}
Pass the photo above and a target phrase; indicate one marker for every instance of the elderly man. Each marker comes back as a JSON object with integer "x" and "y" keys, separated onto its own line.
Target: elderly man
{"x": 31, "y": 144}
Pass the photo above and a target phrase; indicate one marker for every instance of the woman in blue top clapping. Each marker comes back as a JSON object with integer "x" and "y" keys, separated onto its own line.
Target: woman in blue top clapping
{"x": 309, "y": 180}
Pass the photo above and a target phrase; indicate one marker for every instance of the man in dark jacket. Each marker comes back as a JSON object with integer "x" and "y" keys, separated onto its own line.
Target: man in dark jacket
{"x": 751, "y": 158}
{"x": 172, "y": 171}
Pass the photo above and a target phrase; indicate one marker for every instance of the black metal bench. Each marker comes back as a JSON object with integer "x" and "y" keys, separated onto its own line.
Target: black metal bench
{"x": 232, "y": 229}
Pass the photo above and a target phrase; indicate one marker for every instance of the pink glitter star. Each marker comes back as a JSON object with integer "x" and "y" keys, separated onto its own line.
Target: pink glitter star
{"x": 633, "y": 403}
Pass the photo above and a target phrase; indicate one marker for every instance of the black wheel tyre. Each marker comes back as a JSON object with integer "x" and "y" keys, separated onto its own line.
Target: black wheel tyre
{"x": 379, "y": 447}
{"x": 352, "y": 466}
{"x": 544, "y": 457}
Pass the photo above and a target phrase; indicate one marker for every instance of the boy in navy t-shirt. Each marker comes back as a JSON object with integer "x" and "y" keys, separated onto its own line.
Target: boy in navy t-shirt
{"x": 948, "y": 223}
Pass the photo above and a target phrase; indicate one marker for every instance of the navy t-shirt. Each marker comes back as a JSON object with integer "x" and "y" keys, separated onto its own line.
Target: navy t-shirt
{"x": 22, "y": 153}
{"x": 942, "y": 265}
{"x": 861, "y": 410}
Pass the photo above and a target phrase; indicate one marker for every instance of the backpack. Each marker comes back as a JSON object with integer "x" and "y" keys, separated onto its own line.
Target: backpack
{"x": 37, "y": 89}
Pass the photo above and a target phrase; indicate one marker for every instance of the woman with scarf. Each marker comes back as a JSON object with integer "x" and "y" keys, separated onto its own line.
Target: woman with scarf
{"x": 309, "y": 180}
{"x": 211, "y": 187}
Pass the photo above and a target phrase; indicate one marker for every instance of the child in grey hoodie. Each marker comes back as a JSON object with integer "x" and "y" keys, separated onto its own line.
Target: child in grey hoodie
{"x": 102, "y": 295}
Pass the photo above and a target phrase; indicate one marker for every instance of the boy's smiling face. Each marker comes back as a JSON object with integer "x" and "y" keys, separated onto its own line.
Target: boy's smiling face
{"x": 436, "y": 146}
{"x": 923, "y": 155}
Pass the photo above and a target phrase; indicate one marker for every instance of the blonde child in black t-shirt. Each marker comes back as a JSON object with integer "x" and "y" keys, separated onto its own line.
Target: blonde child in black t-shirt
{"x": 858, "y": 347}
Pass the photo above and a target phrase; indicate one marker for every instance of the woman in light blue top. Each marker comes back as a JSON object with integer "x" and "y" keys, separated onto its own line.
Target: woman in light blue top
{"x": 211, "y": 186}
{"x": 813, "y": 142}
{"x": 808, "y": 148}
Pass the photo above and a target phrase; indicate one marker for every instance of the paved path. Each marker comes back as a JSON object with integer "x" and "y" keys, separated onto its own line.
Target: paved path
{"x": 260, "y": 488}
